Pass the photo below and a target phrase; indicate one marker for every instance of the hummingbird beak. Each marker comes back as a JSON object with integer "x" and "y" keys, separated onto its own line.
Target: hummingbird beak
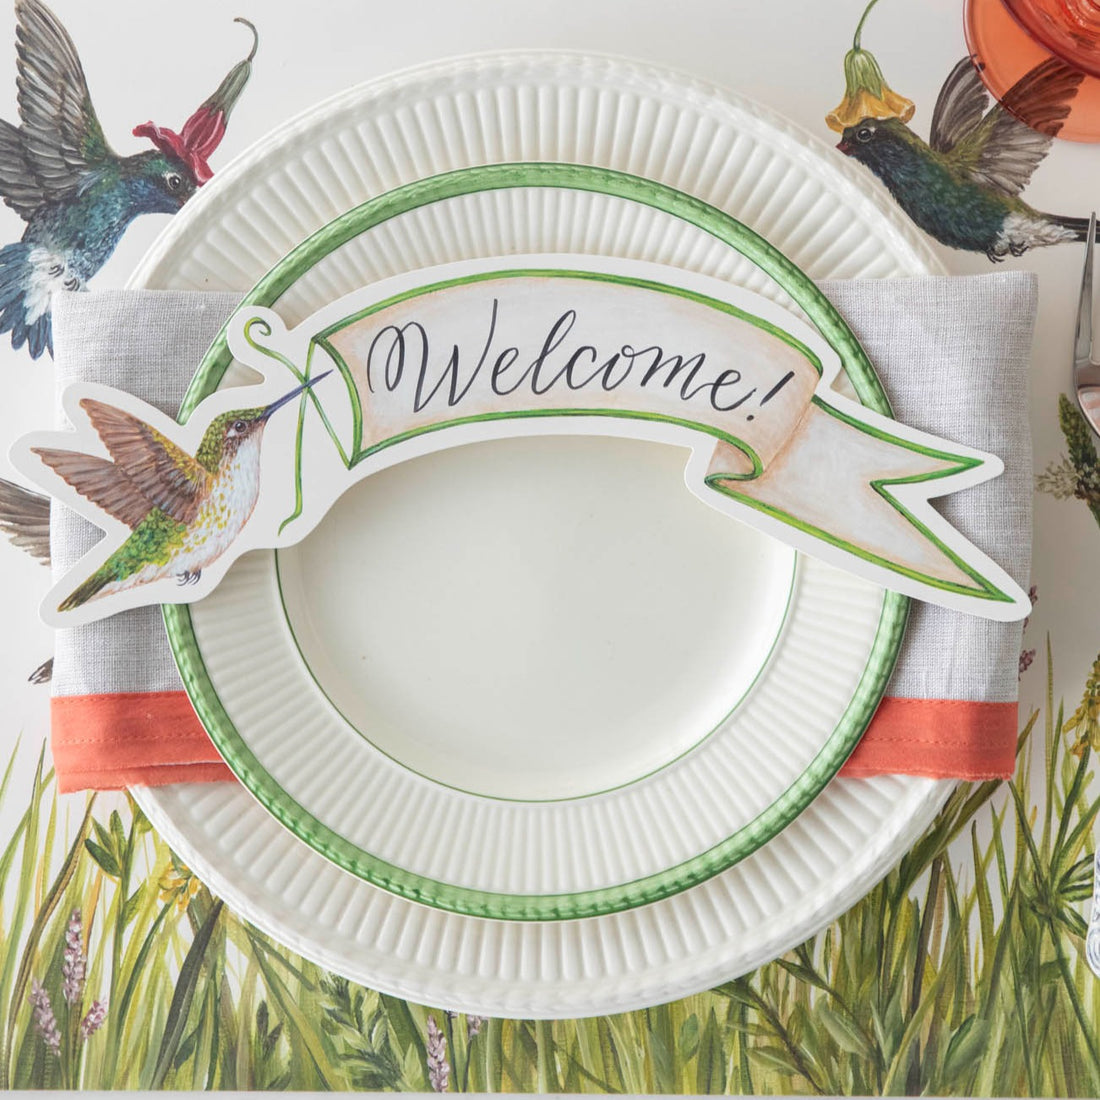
{"x": 276, "y": 405}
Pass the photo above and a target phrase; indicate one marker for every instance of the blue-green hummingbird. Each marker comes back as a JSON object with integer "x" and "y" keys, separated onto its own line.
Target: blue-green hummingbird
{"x": 963, "y": 185}
{"x": 77, "y": 195}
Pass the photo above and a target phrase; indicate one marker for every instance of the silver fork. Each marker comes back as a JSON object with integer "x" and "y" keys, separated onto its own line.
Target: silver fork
{"x": 1086, "y": 371}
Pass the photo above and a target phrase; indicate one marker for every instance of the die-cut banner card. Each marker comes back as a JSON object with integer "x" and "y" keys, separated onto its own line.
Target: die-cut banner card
{"x": 488, "y": 349}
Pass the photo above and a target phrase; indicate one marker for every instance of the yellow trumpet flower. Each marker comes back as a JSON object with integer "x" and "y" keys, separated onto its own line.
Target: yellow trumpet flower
{"x": 866, "y": 95}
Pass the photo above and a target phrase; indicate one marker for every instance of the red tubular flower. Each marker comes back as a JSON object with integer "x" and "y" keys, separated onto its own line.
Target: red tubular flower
{"x": 204, "y": 130}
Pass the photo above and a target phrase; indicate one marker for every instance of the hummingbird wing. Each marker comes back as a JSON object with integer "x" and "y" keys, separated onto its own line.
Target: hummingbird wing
{"x": 1001, "y": 151}
{"x": 25, "y": 519}
{"x": 62, "y": 140}
{"x": 166, "y": 475}
{"x": 20, "y": 186}
{"x": 960, "y": 106}
{"x": 101, "y": 481}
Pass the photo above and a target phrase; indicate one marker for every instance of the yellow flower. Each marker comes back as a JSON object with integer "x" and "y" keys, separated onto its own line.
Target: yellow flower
{"x": 1085, "y": 720}
{"x": 866, "y": 94}
{"x": 179, "y": 885}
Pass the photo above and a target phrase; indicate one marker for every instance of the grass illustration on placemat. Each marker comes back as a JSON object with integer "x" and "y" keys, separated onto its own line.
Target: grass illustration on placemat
{"x": 118, "y": 969}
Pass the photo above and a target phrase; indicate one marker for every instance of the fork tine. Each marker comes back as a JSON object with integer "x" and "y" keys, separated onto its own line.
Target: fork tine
{"x": 1082, "y": 344}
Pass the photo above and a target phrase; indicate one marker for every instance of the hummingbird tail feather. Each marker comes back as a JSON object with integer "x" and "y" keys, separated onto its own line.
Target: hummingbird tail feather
{"x": 23, "y": 312}
{"x": 86, "y": 591}
{"x": 1079, "y": 227}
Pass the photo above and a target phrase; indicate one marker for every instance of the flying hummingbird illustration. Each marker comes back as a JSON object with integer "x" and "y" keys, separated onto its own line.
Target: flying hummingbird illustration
{"x": 77, "y": 196}
{"x": 183, "y": 512}
{"x": 963, "y": 186}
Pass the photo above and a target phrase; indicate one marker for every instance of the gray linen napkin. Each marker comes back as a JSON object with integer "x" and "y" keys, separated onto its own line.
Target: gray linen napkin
{"x": 952, "y": 354}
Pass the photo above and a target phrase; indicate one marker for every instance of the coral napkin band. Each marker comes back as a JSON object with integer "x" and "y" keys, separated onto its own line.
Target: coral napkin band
{"x": 938, "y": 738}
{"x": 108, "y": 742}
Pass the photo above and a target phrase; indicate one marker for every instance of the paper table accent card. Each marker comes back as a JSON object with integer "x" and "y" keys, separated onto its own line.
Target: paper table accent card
{"x": 503, "y": 347}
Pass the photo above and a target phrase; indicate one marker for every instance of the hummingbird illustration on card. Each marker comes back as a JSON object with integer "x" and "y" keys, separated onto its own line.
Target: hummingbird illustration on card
{"x": 183, "y": 509}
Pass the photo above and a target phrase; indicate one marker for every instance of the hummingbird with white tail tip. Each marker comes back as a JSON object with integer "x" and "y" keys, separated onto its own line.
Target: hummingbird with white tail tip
{"x": 59, "y": 173}
{"x": 963, "y": 185}
{"x": 184, "y": 512}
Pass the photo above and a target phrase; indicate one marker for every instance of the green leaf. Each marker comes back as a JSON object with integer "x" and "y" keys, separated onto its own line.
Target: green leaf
{"x": 710, "y": 1070}
{"x": 547, "y": 1064}
{"x": 103, "y": 857}
{"x": 140, "y": 824}
{"x": 774, "y": 1058}
{"x": 186, "y": 1049}
{"x": 182, "y": 996}
{"x": 687, "y": 1043}
{"x": 985, "y": 902}
{"x": 406, "y": 1033}
{"x": 412, "y": 1070}
{"x": 133, "y": 906}
{"x": 1074, "y": 922}
{"x": 844, "y": 1032}
{"x": 103, "y": 835}
{"x": 738, "y": 990}
{"x": 966, "y": 1045}
{"x": 800, "y": 971}
{"x": 661, "y": 1059}
{"x": 118, "y": 834}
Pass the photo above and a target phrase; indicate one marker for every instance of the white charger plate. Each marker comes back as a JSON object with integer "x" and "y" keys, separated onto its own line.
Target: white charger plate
{"x": 538, "y": 107}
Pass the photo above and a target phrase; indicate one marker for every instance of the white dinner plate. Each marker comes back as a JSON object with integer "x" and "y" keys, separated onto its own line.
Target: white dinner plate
{"x": 550, "y": 108}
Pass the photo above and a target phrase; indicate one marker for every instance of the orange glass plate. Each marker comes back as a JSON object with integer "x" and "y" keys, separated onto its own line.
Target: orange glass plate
{"x": 1004, "y": 51}
{"x": 1070, "y": 29}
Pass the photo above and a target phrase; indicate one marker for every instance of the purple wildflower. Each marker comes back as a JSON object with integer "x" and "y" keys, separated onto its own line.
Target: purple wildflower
{"x": 439, "y": 1069}
{"x": 1033, "y": 595}
{"x": 45, "y": 1022}
{"x": 473, "y": 1025}
{"x": 1026, "y": 657}
{"x": 93, "y": 1021}
{"x": 75, "y": 962}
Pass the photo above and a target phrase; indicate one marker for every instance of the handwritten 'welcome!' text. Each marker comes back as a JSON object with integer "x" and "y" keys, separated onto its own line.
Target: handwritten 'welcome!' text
{"x": 400, "y": 354}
